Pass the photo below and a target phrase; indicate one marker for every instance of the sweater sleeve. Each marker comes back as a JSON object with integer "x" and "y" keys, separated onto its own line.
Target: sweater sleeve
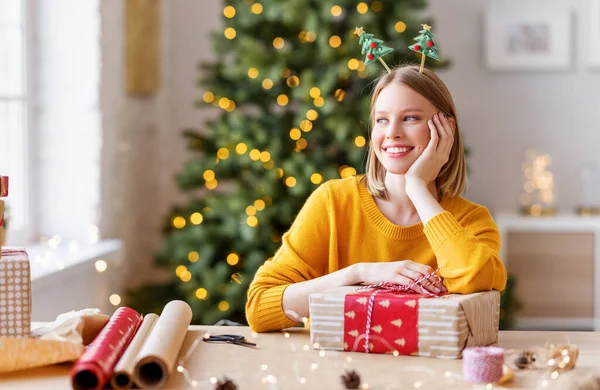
{"x": 467, "y": 253}
{"x": 302, "y": 256}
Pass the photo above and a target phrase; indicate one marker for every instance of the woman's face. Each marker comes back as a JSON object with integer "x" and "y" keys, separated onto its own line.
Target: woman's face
{"x": 400, "y": 132}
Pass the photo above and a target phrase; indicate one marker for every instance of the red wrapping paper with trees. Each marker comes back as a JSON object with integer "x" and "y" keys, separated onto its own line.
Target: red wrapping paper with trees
{"x": 393, "y": 323}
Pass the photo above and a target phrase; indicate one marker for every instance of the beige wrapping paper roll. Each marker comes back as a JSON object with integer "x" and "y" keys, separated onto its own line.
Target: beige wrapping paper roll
{"x": 123, "y": 375}
{"x": 158, "y": 355}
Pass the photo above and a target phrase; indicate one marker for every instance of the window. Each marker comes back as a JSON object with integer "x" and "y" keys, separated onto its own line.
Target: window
{"x": 50, "y": 123}
{"x": 14, "y": 110}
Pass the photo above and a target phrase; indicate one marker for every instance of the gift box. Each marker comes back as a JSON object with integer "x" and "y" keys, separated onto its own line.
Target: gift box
{"x": 403, "y": 323}
{"x": 3, "y": 186}
{"x": 15, "y": 293}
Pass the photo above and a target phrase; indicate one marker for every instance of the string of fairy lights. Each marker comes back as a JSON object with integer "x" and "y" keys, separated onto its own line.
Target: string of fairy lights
{"x": 295, "y": 133}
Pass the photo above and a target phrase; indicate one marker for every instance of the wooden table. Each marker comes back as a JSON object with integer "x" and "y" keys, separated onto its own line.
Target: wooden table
{"x": 285, "y": 360}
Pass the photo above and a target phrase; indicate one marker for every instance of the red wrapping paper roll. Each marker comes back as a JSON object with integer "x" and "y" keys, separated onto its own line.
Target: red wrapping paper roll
{"x": 95, "y": 367}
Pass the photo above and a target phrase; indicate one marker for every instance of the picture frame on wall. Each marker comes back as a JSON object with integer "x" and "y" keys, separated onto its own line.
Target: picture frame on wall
{"x": 593, "y": 42}
{"x": 518, "y": 37}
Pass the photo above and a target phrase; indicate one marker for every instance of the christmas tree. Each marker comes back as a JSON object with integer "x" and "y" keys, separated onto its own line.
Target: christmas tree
{"x": 294, "y": 113}
{"x": 425, "y": 45}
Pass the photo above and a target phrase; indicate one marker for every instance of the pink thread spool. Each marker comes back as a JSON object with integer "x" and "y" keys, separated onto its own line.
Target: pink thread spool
{"x": 483, "y": 364}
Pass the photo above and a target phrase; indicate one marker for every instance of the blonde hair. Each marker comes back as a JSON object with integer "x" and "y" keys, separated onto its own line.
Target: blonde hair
{"x": 452, "y": 179}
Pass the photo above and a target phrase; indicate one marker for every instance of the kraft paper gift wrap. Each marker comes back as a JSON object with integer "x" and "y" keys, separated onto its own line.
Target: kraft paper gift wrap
{"x": 407, "y": 324}
{"x": 61, "y": 341}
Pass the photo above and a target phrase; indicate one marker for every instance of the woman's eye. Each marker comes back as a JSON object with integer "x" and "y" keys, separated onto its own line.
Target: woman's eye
{"x": 381, "y": 120}
{"x": 409, "y": 118}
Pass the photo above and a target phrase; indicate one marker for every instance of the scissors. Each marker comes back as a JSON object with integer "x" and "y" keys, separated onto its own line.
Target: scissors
{"x": 229, "y": 338}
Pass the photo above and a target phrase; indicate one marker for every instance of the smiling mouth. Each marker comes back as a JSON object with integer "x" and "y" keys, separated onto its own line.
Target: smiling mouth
{"x": 398, "y": 150}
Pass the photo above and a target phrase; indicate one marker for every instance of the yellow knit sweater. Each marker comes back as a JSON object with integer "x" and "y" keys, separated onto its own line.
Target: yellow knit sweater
{"x": 340, "y": 225}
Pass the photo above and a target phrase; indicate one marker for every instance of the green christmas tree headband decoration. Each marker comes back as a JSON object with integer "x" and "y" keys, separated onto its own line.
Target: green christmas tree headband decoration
{"x": 375, "y": 49}
{"x": 425, "y": 45}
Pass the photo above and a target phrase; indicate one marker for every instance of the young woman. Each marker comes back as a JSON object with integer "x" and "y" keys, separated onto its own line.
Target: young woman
{"x": 403, "y": 219}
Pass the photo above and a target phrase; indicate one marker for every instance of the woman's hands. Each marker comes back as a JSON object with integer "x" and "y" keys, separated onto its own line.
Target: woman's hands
{"x": 437, "y": 152}
{"x": 399, "y": 272}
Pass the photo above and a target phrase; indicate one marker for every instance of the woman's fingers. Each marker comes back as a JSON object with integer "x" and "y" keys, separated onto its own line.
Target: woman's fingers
{"x": 431, "y": 281}
{"x": 446, "y": 133}
{"x": 435, "y": 137}
{"x": 417, "y": 279}
{"x": 409, "y": 273}
{"x": 403, "y": 280}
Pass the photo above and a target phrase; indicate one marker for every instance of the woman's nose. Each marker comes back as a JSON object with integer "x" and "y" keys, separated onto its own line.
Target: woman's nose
{"x": 394, "y": 131}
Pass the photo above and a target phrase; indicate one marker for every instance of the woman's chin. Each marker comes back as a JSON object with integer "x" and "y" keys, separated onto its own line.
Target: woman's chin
{"x": 396, "y": 170}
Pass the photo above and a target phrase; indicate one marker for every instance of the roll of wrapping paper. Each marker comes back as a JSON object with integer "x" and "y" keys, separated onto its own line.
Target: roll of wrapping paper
{"x": 123, "y": 373}
{"x": 157, "y": 357}
{"x": 3, "y": 186}
{"x": 94, "y": 368}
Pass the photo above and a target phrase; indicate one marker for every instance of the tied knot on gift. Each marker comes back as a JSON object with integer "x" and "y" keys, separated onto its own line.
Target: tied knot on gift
{"x": 387, "y": 287}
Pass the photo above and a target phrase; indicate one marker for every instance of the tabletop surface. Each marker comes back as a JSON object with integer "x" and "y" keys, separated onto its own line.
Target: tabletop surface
{"x": 286, "y": 360}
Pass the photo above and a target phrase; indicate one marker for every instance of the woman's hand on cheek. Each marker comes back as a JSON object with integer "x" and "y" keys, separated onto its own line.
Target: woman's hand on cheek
{"x": 436, "y": 154}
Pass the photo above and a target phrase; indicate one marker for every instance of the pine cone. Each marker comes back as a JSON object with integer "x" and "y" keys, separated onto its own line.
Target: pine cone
{"x": 225, "y": 384}
{"x": 351, "y": 380}
{"x": 525, "y": 360}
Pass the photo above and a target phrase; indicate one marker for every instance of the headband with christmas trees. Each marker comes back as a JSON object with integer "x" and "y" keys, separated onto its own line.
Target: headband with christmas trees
{"x": 375, "y": 49}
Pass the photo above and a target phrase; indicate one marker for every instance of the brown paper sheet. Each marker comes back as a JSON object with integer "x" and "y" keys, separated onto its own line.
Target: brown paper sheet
{"x": 2, "y": 236}
{"x": 123, "y": 373}
{"x": 20, "y": 354}
{"x": 447, "y": 324}
{"x": 58, "y": 342}
{"x": 156, "y": 359}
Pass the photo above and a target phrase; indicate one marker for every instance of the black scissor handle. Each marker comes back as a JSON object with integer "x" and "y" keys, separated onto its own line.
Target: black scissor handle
{"x": 229, "y": 338}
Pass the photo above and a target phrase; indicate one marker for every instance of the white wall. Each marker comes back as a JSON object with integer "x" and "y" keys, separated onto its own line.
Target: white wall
{"x": 143, "y": 147}
{"x": 187, "y": 28}
{"x": 504, "y": 113}
{"x": 130, "y": 189}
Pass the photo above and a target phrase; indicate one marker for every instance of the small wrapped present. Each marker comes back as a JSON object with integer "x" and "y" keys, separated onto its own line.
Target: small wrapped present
{"x": 403, "y": 323}
{"x": 15, "y": 293}
{"x": 3, "y": 186}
